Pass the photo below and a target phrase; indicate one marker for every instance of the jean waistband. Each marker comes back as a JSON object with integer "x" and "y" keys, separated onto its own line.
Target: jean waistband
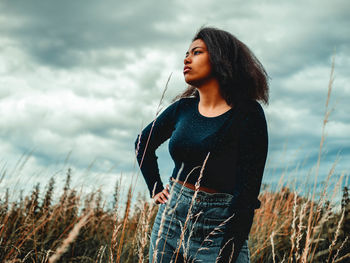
{"x": 222, "y": 198}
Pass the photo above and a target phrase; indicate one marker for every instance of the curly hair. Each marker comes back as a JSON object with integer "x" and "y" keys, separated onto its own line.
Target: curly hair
{"x": 239, "y": 73}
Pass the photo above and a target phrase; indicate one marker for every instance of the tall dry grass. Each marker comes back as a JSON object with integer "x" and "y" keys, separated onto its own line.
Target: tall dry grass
{"x": 76, "y": 230}
{"x": 287, "y": 228}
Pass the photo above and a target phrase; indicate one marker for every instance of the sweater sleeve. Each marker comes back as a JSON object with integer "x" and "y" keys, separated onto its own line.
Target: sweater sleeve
{"x": 251, "y": 158}
{"x": 252, "y": 153}
{"x": 151, "y": 137}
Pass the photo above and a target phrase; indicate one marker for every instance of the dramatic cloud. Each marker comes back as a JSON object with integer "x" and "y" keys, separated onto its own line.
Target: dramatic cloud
{"x": 79, "y": 79}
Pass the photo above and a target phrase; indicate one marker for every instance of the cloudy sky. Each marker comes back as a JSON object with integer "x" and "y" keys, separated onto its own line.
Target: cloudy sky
{"x": 79, "y": 79}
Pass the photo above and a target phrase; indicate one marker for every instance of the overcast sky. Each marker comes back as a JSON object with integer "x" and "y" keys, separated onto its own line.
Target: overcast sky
{"x": 79, "y": 79}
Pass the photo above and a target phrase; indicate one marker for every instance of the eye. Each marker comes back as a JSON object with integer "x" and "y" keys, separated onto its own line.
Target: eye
{"x": 196, "y": 52}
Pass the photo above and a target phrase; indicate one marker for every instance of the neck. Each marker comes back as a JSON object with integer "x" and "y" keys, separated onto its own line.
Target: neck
{"x": 209, "y": 95}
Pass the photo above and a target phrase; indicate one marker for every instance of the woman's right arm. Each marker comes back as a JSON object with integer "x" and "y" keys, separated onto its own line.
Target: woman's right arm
{"x": 151, "y": 137}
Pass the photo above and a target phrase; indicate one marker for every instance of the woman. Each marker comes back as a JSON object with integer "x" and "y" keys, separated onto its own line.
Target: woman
{"x": 218, "y": 141}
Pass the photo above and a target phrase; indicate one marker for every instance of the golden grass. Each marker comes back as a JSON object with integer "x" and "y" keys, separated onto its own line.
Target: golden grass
{"x": 33, "y": 232}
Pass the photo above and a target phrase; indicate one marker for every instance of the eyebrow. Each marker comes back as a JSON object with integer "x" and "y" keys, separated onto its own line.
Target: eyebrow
{"x": 193, "y": 49}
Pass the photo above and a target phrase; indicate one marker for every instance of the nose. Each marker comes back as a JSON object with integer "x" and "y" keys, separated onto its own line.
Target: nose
{"x": 187, "y": 60}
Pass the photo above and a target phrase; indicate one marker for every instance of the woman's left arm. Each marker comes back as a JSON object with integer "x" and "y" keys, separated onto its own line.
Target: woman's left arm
{"x": 251, "y": 156}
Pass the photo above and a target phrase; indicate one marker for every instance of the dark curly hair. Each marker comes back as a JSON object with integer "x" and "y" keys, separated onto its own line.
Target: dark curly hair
{"x": 240, "y": 74}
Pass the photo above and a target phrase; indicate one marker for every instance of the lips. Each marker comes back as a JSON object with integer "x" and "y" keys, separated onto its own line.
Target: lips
{"x": 186, "y": 69}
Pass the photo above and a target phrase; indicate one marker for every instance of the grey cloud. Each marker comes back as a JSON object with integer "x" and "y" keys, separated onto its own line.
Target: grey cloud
{"x": 59, "y": 33}
{"x": 294, "y": 38}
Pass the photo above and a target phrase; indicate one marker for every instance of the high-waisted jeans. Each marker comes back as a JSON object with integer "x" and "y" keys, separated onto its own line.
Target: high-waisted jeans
{"x": 195, "y": 236}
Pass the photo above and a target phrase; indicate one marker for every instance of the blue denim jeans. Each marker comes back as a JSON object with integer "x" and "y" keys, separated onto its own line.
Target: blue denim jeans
{"x": 196, "y": 236}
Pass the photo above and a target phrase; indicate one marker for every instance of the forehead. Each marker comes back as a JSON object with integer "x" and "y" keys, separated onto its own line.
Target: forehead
{"x": 197, "y": 43}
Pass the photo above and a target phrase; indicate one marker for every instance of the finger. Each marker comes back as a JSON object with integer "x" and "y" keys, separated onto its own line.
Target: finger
{"x": 167, "y": 193}
{"x": 163, "y": 197}
{"x": 166, "y": 190}
{"x": 157, "y": 199}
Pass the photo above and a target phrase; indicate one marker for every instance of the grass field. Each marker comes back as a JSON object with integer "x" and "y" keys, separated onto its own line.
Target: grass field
{"x": 287, "y": 228}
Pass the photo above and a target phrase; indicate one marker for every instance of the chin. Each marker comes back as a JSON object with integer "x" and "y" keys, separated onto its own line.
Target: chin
{"x": 197, "y": 81}
{"x": 192, "y": 82}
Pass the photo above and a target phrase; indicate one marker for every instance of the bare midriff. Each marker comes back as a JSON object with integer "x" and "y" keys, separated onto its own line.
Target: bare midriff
{"x": 191, "y": 186}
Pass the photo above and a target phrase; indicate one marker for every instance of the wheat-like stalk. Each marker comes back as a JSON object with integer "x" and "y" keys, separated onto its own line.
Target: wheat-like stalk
{"x": 336, "y": 235}
{"x": 273, "y": 247}
{"x": 292, "y": 237}
{"x": 340, "y": 248}
{"x": 197, "y": 185}
{"x": 71, "y": 237}
{"x": 215, "y": 230}
{"x": 300, "y": 230}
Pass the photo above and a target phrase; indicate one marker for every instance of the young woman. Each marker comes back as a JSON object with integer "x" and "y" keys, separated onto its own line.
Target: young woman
{"x": 218, "y": 141}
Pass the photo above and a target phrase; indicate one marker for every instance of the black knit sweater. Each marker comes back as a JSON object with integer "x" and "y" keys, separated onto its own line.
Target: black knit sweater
{"x": 237, "y": 141}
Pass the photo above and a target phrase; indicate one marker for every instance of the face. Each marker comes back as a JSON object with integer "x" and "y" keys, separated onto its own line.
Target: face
{"x": 197, "y": 70}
